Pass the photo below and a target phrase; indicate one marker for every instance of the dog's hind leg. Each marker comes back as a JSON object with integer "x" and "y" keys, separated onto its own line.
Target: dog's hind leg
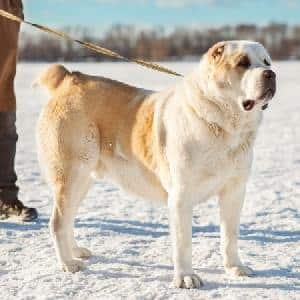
{"x": 68, "y": 151}
{"x": 79, "y": 252}
{"x": 69, "y": 189}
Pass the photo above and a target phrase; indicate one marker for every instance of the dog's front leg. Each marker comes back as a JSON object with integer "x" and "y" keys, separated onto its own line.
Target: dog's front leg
{"x": 231, "y": 201}
{"x": 180, "y": 218}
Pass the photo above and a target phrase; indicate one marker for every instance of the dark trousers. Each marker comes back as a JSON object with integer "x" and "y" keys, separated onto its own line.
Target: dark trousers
{"x": 9, "y": 33}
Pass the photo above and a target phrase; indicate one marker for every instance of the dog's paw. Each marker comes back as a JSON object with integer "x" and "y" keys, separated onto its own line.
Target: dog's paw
{"x": 80, "y": 252}
{"x": 192, "y": 281}
{"x": 73, "y": 266}
{"x": 238, "y": 271}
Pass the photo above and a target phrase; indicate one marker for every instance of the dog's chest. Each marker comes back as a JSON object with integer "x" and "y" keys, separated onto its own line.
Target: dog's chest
{"x": 215, "y": 165}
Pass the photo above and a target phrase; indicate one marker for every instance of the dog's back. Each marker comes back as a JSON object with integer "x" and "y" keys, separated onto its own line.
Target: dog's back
{"x": 98, "y": 124}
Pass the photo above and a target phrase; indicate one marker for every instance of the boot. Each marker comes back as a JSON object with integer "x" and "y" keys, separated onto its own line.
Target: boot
{"x": 9, "y": 203}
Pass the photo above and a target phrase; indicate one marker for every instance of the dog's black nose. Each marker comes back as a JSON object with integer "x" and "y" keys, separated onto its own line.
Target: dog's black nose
{"x": 269, "y": 74}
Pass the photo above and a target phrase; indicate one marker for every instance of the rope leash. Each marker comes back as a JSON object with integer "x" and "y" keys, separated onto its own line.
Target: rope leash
{"x": 91, "y": 46}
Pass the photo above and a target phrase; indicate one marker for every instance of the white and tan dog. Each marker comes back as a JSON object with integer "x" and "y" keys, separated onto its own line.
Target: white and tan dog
{"x": 180, "y": 146}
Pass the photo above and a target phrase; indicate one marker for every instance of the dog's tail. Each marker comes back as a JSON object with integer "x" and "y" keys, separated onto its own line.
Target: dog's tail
{"x": 52, "y": 78}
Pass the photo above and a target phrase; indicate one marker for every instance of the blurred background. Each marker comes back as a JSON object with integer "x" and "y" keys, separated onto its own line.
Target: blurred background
{"x": 159, "y": 30}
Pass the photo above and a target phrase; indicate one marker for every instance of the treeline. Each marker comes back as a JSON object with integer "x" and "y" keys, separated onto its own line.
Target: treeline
{"x": 157, "y": 44}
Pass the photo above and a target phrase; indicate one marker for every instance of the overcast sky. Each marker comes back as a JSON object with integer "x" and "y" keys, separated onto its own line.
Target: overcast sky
{"x": 103, "y": 13}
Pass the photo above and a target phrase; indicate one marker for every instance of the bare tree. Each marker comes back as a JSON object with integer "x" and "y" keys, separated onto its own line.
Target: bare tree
{"x": 282, "y": 41}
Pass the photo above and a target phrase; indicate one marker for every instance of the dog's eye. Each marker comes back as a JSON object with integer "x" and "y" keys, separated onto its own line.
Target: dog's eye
{"x": 244, "y": 62}
{"x": 267, "y": 63}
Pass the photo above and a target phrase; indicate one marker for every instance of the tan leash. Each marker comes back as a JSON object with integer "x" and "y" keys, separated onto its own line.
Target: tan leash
{"x": 88, "y": 45}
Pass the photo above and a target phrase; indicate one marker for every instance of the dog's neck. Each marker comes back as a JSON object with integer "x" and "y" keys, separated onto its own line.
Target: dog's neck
{"x": 215, "y": 109}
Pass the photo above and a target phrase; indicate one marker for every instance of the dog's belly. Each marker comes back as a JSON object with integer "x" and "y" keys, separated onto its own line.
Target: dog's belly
{"x": 133, "y": 178}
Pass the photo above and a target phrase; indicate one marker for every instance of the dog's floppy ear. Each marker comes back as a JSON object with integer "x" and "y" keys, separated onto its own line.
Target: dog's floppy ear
{"x": 216, "y": 52}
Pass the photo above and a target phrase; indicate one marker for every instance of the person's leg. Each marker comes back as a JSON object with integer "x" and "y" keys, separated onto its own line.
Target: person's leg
{"x": 9, "y": 32}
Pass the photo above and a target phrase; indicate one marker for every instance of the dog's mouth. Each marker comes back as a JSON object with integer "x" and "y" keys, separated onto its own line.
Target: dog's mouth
{"x": 249, "y": 104}
{"x": 267, "y": 95}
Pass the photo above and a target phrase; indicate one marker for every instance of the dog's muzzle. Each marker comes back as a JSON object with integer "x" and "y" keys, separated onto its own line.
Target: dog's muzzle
{"x": 269, "y": 90}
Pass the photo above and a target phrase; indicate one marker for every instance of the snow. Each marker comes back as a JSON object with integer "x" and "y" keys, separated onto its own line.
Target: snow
{"x": 129, "y": 238}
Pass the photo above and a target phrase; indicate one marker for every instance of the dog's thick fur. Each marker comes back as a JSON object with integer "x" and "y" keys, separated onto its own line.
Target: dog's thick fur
{"x": 180, "y": 146}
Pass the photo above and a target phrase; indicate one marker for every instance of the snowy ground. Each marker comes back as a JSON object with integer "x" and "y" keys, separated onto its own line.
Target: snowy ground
{"x": 130, "y": 239}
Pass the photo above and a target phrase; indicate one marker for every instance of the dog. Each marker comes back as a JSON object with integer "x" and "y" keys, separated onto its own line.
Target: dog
{"x": 180, "y": 146}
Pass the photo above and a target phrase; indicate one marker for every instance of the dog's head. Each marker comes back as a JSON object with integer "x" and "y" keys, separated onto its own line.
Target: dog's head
{"x": 239, "y": 71}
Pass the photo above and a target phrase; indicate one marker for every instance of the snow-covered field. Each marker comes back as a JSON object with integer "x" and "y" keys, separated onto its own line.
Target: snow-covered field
{"x": 129, "y": 237}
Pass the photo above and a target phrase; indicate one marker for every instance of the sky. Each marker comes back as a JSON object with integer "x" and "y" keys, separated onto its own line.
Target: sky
{"x": 169, "y": 13}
